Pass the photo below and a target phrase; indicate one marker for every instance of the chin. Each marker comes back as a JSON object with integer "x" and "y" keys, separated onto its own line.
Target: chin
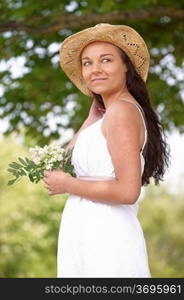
{"x": 99, "y": 91}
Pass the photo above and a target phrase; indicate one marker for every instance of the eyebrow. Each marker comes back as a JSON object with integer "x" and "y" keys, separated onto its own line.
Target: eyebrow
{"x": 86, "y": 57}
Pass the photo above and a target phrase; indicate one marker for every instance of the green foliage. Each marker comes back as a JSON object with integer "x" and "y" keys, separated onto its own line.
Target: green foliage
{"x": 30, "y": 27}
{"x": 29, "y": 221}
{"x": 161, "y": 215}
{"x": 25, "y": 167}
{"x": 66, "y": 165}
{"x": 35, "y": 171}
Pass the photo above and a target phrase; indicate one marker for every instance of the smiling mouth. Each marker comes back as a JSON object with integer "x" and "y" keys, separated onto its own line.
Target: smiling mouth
{"x": 98, "y": 79}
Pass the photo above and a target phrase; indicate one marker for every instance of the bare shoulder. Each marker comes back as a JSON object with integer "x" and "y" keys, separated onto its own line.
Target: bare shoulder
{"x": 121, "y": 113}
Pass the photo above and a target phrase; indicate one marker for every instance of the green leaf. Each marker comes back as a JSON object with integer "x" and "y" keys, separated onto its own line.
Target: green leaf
{"x": 22, "y": 172}
{"x": 37, "y": 180}
{"x": 12, "y": 166}
{"x": 15, "y": 165}
{"x": 13, "y": 171}
{"x": 10, "y": 182}
{"x": 30, "y": 161}
{"x": 22, "y": 161}
{"x": 31, "y": 177}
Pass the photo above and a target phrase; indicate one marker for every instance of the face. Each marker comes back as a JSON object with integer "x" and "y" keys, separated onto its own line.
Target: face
{"x": 103, "y": 69}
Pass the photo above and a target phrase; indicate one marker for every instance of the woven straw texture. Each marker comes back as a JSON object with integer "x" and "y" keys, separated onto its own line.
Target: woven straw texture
{"x": 122, "y": 36}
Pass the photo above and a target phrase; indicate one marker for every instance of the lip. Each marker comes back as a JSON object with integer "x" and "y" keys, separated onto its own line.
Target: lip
{"x": 96, "y": 79}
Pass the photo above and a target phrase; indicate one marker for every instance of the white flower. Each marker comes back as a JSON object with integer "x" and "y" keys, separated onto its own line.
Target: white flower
{"x": 59, "y": 157}
{"x": 36, "y": 160}
{"x": 48, "y": 167}
{"x": 45, "y": 148}
{"x": 49, "y": 157}
{"x": 52, "y": 159}
{"x": 49, "y": 154}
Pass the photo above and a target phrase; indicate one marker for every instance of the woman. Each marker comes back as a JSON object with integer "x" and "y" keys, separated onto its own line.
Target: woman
{"x": 100, "y": 234}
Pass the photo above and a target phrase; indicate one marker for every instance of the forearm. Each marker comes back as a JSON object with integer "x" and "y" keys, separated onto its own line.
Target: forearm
{"x": 109, "y": 191}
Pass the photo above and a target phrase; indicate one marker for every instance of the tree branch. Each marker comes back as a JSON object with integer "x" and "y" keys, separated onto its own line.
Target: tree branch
{"x": 71, "y": 21}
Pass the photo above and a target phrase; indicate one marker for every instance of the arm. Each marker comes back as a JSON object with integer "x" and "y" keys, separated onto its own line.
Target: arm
{"x": 123, "y": 141}
{"x": 99, "y": 191}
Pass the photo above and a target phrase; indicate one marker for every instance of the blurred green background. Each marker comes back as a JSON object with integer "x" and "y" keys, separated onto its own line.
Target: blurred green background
{"x": 38, "y": 104}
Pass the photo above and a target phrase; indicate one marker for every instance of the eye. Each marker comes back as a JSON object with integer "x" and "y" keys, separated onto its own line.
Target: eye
{"x": 86, "y": 63}
{"x": 106, "y": 59}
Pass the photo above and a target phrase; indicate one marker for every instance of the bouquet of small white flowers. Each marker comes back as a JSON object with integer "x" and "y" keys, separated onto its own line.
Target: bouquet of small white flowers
{"x": 50, "y": 157}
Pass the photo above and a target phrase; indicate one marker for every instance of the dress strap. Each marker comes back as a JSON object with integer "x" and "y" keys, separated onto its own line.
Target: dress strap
{"x": 143, "y": 149}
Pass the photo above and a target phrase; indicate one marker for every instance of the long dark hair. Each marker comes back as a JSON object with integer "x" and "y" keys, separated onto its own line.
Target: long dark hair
{"x": 157, "y": 150}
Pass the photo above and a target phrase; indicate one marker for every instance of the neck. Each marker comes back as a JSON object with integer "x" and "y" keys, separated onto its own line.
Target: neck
{"x": 110, "y": 99}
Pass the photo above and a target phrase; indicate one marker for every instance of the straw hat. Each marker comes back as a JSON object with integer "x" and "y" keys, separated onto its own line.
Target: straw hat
{"x": 122, "y": 36}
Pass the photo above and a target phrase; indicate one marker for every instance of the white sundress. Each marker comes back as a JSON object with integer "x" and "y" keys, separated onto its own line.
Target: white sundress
{"x": 98, "y": 239}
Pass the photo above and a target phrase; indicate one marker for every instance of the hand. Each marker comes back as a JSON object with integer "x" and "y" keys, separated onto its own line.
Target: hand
{"x": 96, "y": 111}
{"x": 55, "y": 181}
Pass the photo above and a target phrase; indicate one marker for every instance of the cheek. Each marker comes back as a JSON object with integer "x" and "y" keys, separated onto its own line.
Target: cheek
{"x": 85, "y": 74}
{"x": 112, "y": 69}
{"x": 111, "y": 73}
{"x": 120, "y": 71}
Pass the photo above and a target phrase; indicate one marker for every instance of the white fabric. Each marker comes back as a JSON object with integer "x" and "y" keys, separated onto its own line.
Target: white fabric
{"x": 97, "y": 239}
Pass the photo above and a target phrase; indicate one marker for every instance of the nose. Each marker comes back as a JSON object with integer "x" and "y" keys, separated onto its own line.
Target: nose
{"x": 96, "y": 68}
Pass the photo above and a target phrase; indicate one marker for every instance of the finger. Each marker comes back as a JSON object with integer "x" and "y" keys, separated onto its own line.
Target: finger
{"x": 45, "y": 173}
{"x": 45, "y": 179}
{"x": 50, "y": 193}
{"x": 101, "y": 110}
{"x": 47, "y": 186}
